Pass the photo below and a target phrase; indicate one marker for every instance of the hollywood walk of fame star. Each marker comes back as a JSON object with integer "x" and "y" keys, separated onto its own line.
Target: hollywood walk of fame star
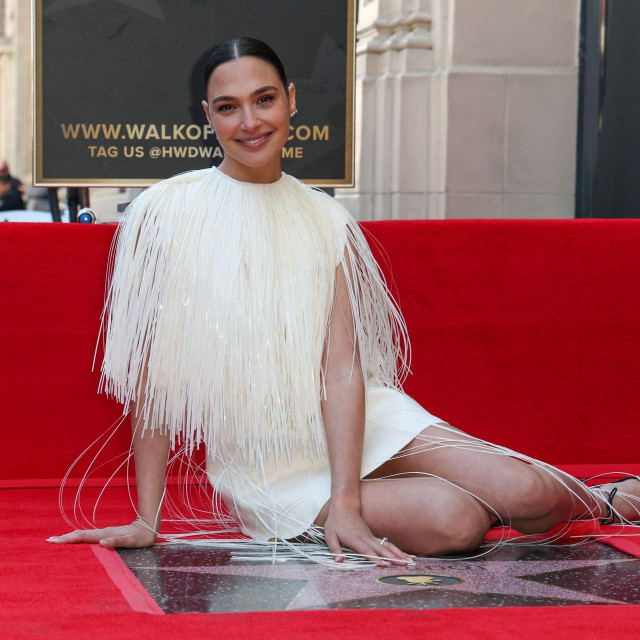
{"x": 492, "y": 579}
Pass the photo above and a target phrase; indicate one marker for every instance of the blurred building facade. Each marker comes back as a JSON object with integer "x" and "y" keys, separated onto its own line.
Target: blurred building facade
{"x": 16, "y": 122}
{"x": 464, "y": 108}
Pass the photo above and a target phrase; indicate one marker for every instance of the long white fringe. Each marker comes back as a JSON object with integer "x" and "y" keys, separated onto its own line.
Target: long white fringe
{"x": 219, "y": 303}
{"x": 198, "y": 517}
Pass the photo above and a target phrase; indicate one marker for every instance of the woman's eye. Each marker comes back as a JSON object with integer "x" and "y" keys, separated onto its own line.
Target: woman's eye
{"x": 225, "y": 107}
{"x": 265, "y": 99}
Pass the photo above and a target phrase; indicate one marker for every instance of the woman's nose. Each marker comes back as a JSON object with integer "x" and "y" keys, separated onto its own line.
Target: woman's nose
{"x": 249, "y": 119}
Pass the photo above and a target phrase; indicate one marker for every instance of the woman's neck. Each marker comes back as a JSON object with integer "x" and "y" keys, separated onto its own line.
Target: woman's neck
{"x": 259, "y": 175}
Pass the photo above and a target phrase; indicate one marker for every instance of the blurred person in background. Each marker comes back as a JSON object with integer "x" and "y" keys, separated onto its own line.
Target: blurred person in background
{"x": 10, "y": 199}
{"x": 14, "y": 192}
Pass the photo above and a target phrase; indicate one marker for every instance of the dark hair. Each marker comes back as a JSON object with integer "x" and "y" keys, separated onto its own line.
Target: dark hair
{"x": 240, "y": 47}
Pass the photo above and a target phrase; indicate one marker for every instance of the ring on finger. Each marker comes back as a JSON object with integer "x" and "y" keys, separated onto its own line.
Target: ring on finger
{"x": 383, "y": 540}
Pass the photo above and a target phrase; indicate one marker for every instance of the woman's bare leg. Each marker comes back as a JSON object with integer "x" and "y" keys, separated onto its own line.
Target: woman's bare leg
{"x": 528, "y": 498}
{"x": 423, "y": 516}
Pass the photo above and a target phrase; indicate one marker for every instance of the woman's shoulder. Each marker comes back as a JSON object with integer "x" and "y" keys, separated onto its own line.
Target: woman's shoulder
{"x": 161, "y": 193}
{"x": 165, "y": 199}
{"x": 323, "y": 200}
{"x": 181, "y": 179}
{"x": 329, "y": 213}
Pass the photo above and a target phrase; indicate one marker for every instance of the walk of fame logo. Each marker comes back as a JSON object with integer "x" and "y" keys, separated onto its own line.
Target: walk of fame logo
{"x": 419, "y": 581}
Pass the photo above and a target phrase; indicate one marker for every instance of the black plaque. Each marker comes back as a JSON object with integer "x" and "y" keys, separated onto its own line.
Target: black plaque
{"x": 118, "y": 86}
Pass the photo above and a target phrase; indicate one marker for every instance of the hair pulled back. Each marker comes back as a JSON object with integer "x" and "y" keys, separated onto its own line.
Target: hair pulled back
{"x": 240, "y": 47}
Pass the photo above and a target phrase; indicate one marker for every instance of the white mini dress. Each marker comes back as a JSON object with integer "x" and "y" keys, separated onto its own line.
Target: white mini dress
{"x": 216, "y": 319}
{"x": 221, "y": 294}
{"x": 282, "y": 500}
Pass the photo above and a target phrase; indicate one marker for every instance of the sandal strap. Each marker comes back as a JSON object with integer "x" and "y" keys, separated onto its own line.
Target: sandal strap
{"x": 607, "y": 497}
{"x": 610, "y": 516}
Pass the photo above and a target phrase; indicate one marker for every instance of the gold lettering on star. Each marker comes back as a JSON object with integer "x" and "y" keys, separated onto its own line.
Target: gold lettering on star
{"x": 420, "y": 580}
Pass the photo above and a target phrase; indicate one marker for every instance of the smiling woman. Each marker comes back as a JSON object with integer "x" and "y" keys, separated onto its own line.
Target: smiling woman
{"x": 250, "y": 118}
{"x": 245, "y": 312}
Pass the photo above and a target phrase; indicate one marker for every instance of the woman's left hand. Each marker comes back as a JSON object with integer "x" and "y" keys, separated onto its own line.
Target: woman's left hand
{"x": 346, "y": 527}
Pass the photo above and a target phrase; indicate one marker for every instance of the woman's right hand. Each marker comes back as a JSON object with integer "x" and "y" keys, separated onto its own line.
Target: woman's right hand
{"x": 346, "y": 527}
{"x": 135, "y": 535}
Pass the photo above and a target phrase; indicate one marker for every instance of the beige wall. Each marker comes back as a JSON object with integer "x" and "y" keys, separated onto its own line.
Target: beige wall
{"x": 16, "y": 124}
{"x": 467, "y": 108}
{"x": 15, "y": 88}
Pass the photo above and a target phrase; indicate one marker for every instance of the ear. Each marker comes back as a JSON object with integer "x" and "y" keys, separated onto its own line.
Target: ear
{"x": 205, "y": 106}
{"x": 292, "y": 98}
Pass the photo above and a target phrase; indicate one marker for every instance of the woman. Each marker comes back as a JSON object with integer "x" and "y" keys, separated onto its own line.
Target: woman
{"x": 246, "y": 313}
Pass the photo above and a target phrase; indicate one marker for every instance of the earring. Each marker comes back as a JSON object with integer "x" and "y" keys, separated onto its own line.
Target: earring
{"x": 294, "y": 113}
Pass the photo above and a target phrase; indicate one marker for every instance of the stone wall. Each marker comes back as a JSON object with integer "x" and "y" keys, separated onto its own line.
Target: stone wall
{"x": 15, "y": 88}
{"x": 466, "y": 109}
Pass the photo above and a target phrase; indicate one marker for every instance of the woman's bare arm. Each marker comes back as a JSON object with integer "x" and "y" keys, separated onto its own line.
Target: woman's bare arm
{"x": 150, "y": 456}
{"x": 343, "y": 411}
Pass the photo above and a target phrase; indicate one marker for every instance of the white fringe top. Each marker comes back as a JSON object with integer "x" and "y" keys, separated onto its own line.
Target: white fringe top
{"x": 223, "y": 290}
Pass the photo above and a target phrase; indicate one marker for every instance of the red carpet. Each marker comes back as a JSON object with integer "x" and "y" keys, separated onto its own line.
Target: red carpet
{"x": 51, "y": 592}
{"x": 524, "y": 332}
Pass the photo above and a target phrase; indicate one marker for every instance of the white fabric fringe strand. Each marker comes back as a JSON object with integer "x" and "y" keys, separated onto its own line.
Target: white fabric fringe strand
{"x": 203, "y": 521}
{"x": 217, "y": 311}
{"x": 219, "y": 304}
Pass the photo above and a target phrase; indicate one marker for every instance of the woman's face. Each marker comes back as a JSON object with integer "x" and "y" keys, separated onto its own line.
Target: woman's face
{"x": 248, "y": 108}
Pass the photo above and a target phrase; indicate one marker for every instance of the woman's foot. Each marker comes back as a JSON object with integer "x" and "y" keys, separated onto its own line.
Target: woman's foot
{"x": 620, "y": 500}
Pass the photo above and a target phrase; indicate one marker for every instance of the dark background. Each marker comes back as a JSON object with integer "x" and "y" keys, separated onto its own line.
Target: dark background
{"x": 608, "y": 175}
{"x": 141, "y": 62}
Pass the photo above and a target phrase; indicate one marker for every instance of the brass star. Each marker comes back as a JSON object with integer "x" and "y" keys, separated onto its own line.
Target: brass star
{"x": 420, "y": 580}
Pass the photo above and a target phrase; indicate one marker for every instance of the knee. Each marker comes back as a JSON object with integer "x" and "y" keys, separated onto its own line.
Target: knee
{"x": 467, "y": 531}
{"x": 539, "y": 494}
{"x": 460, "y": 527}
